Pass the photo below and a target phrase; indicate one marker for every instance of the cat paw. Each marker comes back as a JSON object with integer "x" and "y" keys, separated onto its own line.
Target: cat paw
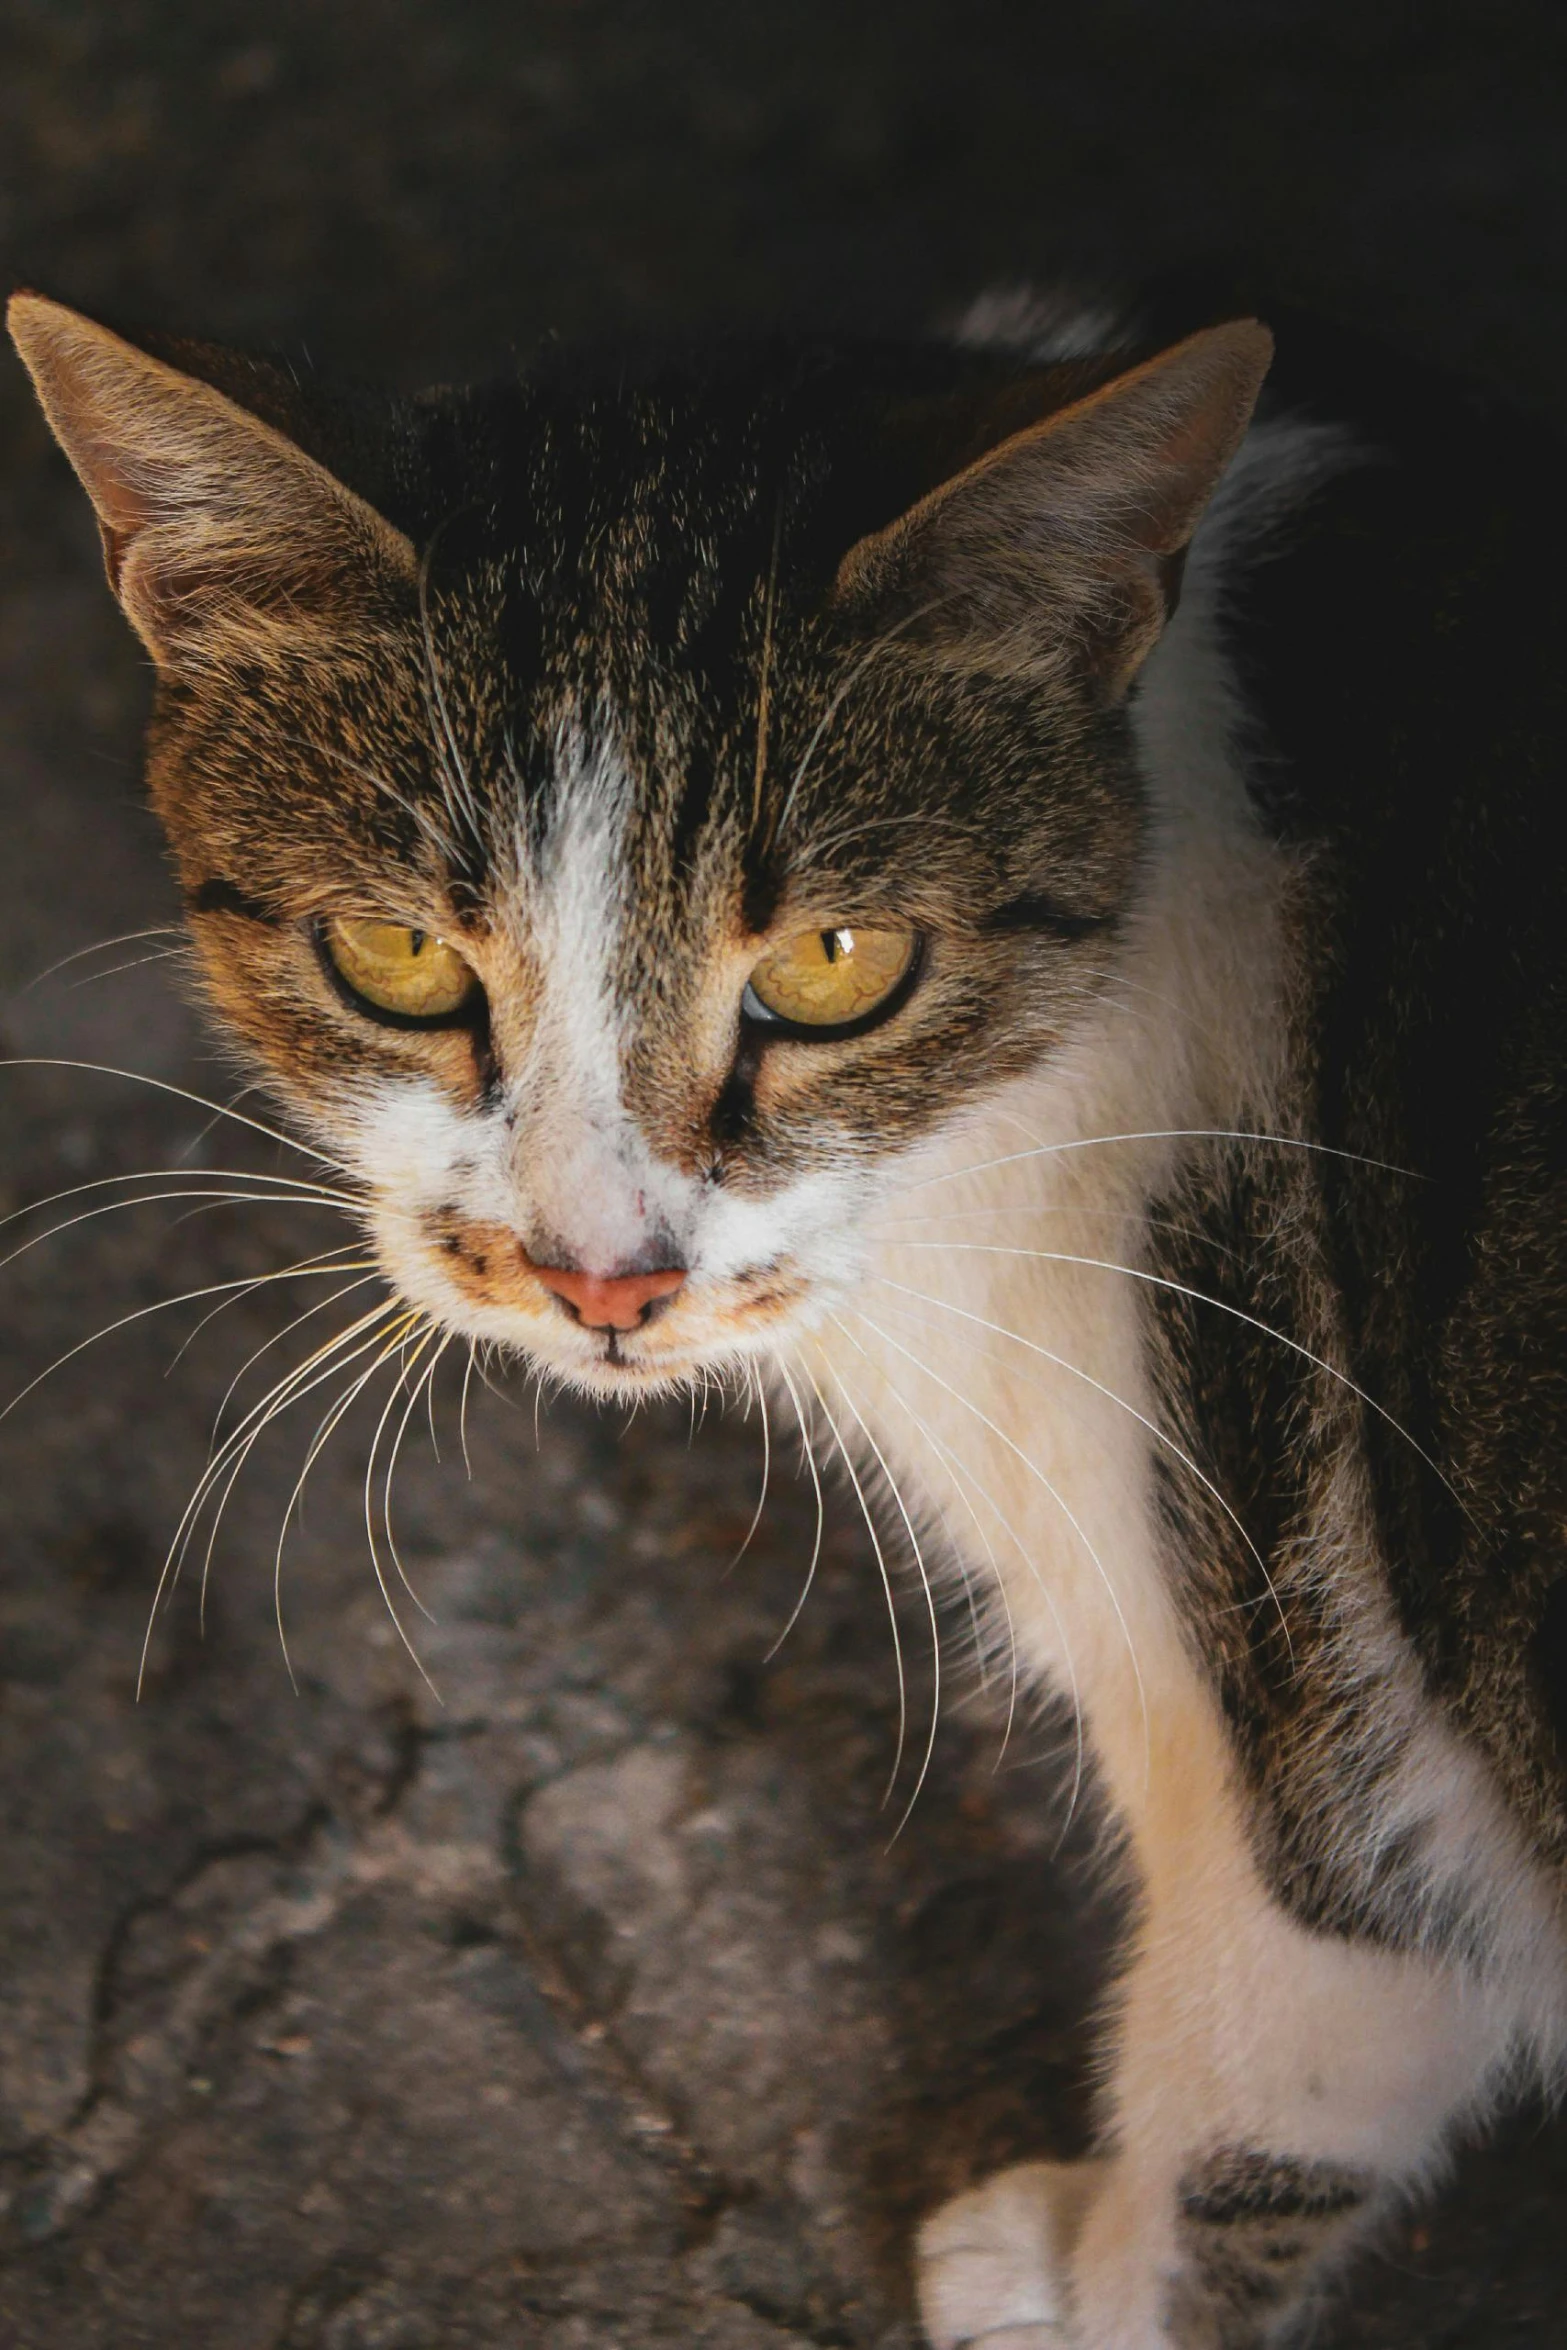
{"x": 991, "y": 2264}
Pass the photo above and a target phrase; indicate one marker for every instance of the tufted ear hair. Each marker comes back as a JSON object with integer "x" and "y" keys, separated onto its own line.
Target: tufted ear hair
{"x": 1068, "y": 537}
{"x": 220, "y": 536}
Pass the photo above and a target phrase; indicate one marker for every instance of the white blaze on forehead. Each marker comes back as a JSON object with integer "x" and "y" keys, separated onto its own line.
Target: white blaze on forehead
{"x": 594, "y": 1184}
{"x": 576, "y": 908}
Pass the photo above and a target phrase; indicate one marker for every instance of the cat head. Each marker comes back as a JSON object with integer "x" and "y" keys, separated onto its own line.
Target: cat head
{"x": 627, "y": 811}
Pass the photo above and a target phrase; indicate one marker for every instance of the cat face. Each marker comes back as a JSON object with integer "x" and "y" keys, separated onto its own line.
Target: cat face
{"x": 662, "y": 807}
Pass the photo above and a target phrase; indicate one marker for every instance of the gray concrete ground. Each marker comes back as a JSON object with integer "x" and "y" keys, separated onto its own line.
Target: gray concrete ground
{"x": 585, "y": 2004}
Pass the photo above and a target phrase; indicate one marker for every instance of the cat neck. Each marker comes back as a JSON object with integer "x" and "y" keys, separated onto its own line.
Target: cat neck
{"x": 990, "y": 1374}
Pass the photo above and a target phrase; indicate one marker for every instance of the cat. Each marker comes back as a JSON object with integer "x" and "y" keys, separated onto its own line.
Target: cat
{"x": 1000, "y": 885}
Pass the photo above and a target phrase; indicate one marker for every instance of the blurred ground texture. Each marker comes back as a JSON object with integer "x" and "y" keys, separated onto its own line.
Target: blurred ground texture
{"x": 588, "y": 2005}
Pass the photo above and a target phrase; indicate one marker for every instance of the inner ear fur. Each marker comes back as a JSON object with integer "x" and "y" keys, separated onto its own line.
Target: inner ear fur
{"x": 1068, "y": 537}
{"x": 219, "y": 533}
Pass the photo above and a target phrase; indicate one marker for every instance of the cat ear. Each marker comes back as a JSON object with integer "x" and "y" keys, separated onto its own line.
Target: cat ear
{"x": 219, "y": 534}
{"x": 1070, "y": 534}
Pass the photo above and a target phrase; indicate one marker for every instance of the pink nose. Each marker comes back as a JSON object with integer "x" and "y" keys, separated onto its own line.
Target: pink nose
{"x": 619, "y": 1303}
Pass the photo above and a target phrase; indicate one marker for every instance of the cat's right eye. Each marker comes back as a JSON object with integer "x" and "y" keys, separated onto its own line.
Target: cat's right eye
{"x": 395, "y": 972}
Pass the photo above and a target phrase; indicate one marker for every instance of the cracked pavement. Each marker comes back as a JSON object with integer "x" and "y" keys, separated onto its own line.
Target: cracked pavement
{"x": 589, "y": 2002}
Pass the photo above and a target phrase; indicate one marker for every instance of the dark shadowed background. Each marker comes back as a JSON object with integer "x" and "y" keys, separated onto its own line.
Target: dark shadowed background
{"x": 587, "y": 2003}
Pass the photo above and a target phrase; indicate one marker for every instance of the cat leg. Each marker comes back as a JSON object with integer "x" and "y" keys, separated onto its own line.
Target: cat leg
{"x": 1232, "y": 2192}
{"x": 1269, "y": 2091}
{"x": 1252, "y": 2232}
{"x": 1272, "y": 2090}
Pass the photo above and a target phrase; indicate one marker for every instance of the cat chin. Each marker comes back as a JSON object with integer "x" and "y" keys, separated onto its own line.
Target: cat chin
{"x": 602, "y": 1381}
{"x": 627, "y": 1383}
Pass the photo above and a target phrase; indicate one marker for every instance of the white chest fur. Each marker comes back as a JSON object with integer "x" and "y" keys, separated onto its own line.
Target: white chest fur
{"x": 994, "y": 1350}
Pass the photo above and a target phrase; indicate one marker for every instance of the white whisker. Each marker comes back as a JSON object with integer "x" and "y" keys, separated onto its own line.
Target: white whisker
{"x": 367, "y": 1271}
{"x": 147, "y": 1199}
{"x": 429, "y": 1406}
{"x": 928, "y": 820}
{"x": 326, "y": 1194}
{"x": 954, "y": 1547}
{"x": 1159, "y": 1434}
{"x": 324, "y": 1362}
{"x": 840, "y": 694}
{"x": 963, "y": 1476}
{"x": 329, "y": 1424}
{"x": 101, "y": 947}
{"x": 410, "y": 1365}
{"x": 241, "y": 1093}
{"x": 329, "y": 1264}
{"x": 462, "y": 1411}
{"x": 163, "y": 1305}
{"x": 753, "y": 1380}
{"x": 886, "y": 1582}
{"x": 422, "y": 1385}
{"x": 1201, "y": 1297}
{"x": 1062, "y": 1505}
{"x": 1089, "y": 1142}
{"x": 179, "y": 954}
{"x": 1136, "y": 1217}
{"x": 178, "y": 1093}
{"x": 930, "y": 1599}
{"x": 821, "y": 1514}
{"x": 1166, "y": 1003}
{"x": 276, "y": 1399}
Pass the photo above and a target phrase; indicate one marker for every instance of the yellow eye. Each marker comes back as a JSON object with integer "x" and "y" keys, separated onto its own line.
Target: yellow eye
{"x": 410, "y": 973}
{"x": 829, "y": 978}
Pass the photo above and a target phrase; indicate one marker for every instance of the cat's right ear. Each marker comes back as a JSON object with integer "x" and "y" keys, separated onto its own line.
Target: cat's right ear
{"x": 219, "y": 534}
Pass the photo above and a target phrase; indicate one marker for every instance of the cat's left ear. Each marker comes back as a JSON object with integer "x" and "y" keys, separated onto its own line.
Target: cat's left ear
{"x": 220, "y": 535}
{"x": 1067, "y": 539}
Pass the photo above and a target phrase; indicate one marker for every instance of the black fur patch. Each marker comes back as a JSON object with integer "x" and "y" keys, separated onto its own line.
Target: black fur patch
{"x": 226, "y": 897}
{"x": 1239, "y": 2186}
{"x": 1252, "y": 2227}
{"x": 1403, "y": 652}
{"x": 1035, "y": 911}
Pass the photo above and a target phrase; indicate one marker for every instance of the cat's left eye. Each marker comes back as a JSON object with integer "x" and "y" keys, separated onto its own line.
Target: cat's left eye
{"x": 830, "y": 981}
{"x": 397, "y": 972}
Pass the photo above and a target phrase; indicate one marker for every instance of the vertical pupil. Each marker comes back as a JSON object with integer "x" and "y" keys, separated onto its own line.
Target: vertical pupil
{"x": 836, "y": 943}
{"x": 416, "y": 942}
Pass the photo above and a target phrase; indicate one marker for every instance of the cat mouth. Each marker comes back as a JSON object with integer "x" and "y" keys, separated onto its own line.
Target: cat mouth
{"x": 637, "y": 1357}
{"x": 617, "y": 1370}
{"x": 710, "y": 1335}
